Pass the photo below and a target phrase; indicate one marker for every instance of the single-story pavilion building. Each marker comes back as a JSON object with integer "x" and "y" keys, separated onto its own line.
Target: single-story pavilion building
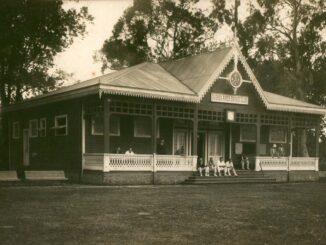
{"x": 207, "y": 105}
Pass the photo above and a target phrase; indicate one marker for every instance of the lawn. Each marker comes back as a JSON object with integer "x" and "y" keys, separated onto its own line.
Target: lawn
{"x": 217, "y": 214}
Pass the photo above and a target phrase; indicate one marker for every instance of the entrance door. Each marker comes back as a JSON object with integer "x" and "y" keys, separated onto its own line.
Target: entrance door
{"x": 215, "y": 144}
{"x": 26, "y": 147}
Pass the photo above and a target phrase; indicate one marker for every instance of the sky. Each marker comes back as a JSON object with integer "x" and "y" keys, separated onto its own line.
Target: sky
{"x": 78, "y": 58}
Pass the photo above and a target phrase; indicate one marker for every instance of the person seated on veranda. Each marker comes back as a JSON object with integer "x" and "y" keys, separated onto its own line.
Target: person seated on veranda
{"x": 118, "y": 150}
{"x": 129, "y": 152}
{"x": 200, "y": 166}
{"x": 244, "y": 162}
{"x": 230, "y": 167}
{"x": 180, "y": 151}
{"x": 273, "y": 150}
{"x": 212, "y": 165}
{"x": 161, "y": 148}
{"x": 220, "y": 165}
{"x": 280, "y": 151}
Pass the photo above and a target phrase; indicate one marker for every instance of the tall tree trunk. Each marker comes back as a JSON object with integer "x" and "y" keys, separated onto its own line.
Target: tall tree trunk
{"x": 302, "y": 133}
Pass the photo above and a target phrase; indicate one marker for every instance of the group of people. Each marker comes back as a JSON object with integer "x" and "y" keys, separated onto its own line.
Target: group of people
{"x": 161, "y": 150}
{"x": 277, "y": 150}
{"x": 127, "y": 152}
{"x": 219, "y": 167}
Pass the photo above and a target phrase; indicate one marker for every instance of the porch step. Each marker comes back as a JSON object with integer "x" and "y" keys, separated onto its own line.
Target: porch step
{"x": 244, "y": 176}
{"x": 53, "y": 175}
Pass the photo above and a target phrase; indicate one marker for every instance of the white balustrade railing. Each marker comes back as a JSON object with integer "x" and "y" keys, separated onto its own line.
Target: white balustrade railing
{"x": 175, "y": 163}
{"x": 304, "y": 163}
{"x": 138, "y": 162}
{"x": 269, "y": 163}
{"x": 286, "y": 163}
{"x": 121, "y": 162}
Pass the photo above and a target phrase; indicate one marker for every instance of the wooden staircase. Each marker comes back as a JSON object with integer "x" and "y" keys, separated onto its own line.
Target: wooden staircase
{"x": 244, "y": 176}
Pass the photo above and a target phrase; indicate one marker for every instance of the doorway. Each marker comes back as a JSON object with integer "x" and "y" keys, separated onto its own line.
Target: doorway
{"x": 210, "y": 144}
{"x": 201, "y": 145}
{"x": 26, "y": 147}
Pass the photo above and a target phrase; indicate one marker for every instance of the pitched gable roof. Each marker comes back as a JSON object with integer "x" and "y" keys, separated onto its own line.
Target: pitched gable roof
{"x": 187, "y": 79}
{"x": 279, "y": 103}
{"x": 194, "y": 71}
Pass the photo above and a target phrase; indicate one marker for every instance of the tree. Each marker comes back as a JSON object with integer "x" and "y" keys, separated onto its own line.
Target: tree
{"x": 283, "y": 42}
{"x": 159, "y": 30}
{"x": 32, "y": 33}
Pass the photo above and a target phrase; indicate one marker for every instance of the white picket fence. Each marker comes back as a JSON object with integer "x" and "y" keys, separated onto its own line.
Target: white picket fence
{"x": 138, "y": 162}
{"x": 286, "y": 163}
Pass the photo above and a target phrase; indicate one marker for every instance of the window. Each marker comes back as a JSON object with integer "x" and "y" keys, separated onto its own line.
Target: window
{"x": 115, "y": 125}
{"x": 42, "y": 128}
{"x": 98, "y": 129}
{"x": 97, "y": 125}
{"x": 61, "y": 125}
{"x": 33, "y": 128}
{"x": 142, "y": 127}
{"x": 277, "y": 134}
{"x": 180, "y": 141}
{"x": 215, "y": 144}
{"x": 248, "y": 133}
{"x": 15, "y": 130}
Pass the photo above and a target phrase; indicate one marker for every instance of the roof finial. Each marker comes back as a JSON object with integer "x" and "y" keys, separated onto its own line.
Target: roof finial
{"x": 235, "y": 22}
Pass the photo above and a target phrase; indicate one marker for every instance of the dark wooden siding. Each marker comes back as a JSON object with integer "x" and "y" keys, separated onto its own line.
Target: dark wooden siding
{"x": 223, "y": 86}
{"x": 49, "y": 152}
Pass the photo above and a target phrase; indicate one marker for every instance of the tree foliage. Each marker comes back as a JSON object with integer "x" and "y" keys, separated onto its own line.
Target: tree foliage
{"x": 284, "y": 43}
{"x": 286, "y": 37}
{"x": 32, "y": 33}
{"x": 159, "y": 30}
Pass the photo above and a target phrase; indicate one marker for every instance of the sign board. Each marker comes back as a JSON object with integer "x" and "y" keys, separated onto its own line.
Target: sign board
{"x": 229, "y": 98}
{"x": 238, "y": 148}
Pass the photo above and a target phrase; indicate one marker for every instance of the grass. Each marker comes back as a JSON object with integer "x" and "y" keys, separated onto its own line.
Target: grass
{"x": 217, "y": 214}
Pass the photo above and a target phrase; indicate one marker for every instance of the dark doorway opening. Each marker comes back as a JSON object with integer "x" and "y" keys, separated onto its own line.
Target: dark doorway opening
{"x": 201, "y": 139}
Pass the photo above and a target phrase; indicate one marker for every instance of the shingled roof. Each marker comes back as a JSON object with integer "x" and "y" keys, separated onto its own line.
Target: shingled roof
{"x": 186, "y": 79}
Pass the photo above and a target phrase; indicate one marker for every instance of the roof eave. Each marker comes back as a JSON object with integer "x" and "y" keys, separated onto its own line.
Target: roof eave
{"x": 151, "y": 94}
{"x": 58, "y": 97}
{"x": 297, "y": 109}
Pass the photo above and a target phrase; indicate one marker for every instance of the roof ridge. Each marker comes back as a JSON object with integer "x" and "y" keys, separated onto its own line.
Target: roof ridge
{"x": 199, "y": 54}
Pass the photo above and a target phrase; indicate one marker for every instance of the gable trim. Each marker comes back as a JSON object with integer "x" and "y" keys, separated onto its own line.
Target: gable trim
{"x": 216, "y": 74}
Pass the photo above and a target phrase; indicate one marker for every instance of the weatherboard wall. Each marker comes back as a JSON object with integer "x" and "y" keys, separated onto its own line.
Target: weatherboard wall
{"x": 49, "y": 152}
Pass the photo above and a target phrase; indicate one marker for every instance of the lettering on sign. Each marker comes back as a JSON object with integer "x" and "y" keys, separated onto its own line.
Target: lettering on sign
{"x": 229, "y": 98}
